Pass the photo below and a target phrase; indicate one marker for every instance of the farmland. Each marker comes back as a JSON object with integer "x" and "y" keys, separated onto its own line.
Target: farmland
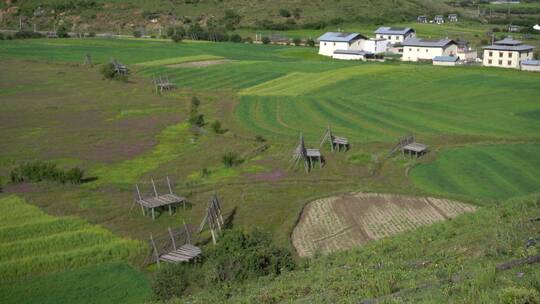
{"x": 344, "y": 222}
{"x": 483, "y": 149}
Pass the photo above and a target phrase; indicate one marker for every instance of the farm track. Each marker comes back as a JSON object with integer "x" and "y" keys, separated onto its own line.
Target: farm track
{"x": 348, "y": 221}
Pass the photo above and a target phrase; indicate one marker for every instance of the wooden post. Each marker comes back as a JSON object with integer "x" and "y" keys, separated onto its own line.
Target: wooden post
{"x": 169, "y": 184}
{"x": 320, "y": 162}
{"x": 153, "y": 214}
{"x": 154, "y": 186}
{"x": 187, "y": 232}
{"x": 213, "y": 236}
{"x": 138, "y": 192}
{"x": 156, "y": 253}
{"x": 142, "y": 208}
{"x": 170, "y": 209}
{"x": 172, "y": 238}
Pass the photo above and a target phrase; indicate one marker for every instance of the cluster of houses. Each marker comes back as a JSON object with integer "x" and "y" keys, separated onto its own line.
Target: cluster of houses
{"x": 506, "y": 53}
{"x": 438, "y": 19}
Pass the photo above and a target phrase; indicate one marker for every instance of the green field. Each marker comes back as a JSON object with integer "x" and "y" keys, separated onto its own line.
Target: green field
{"x": 498, "y": 171}
{"x": 481, "y": 125}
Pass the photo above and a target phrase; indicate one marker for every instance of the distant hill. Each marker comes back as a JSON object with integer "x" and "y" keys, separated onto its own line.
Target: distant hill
{"x": 103, "y": 15}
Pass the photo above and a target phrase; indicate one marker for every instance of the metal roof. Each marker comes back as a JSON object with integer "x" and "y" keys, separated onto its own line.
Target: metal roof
{"x": 352, "y": 52}
{"x": 428, "y": 42}
{"x": 384, "y": 30}
{"x": 508, "y": 41}
{"x": 517, "y": 48}
{"x": 445, "y": 58}
{"x": 531, "y": 62}
{"x": 340, "y": 37}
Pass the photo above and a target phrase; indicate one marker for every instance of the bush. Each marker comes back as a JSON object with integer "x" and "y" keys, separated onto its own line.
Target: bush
{"x": 231, "y": 159}
{"x": 27, "y": 35}
{"x": 171, "y": 281}
{"x": 216, "y": 127}
{"x": 284, "y": 13}
{"x": 236, "y": 38}
{"x": 177, "y": 37}
{"x": 107, "y": 70}
{"x": 39, "y": 171}
{"x": 239, "y": 256}
{"x": 519, "y": 295}
{"x": 196, "y": 120}
{"x": 62, "y": 32}
{"x": 248, "y": 40}
{"x": 2, "y": 36}
{"x": 265, "y": 40}
{"x": 195, "y": 103}
{"x": 137, "y": 33}
{"x": 310, "y": 42}
{"x": 297, "y": 41}
{"x": 259, "y": 138}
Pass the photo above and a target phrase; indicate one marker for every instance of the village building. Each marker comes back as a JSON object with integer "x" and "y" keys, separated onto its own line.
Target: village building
{"x": 530, "y": 65}
{"x": 507, "y": 53}
{"x": 446, "y": 60}
{"x": 415, "y": 49}
{"x": 439, "y": 19}
{"x": 422, "y": 19}
{"x": 465, "y": 53}
{"x": 452, "y": 18}
{"x": 350, "y": 46}
{"x": 333, "y": 41}
{"x": 395, "y": 35}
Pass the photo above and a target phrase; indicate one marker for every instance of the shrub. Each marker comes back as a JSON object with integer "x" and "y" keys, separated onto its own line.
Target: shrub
{"x": 248, "y": 40}
{"x": 39, "y": 171}
{"x": 521, "y": 295}
{"x": 216, "y": 127}
{"x": 107, "y": 70}
{"x": 235, "y": 38}
{"x": 2, "y": 36}
{"x": 205, "y": 172}
{"x": 310, "y": 42}
{"x": 231, "y": 159}
{"x": 62, "y": 32}
{"x": 297, "y": 41}
{"x": 171, "y": 281}
{"x": 196, "y": 119}
{"x": 265, "y": 40}
{"x": 27, "y": 35}
{"x": 137, "y": 33}
{"x": 195, "y": 103}
{"x": 239, "y": 256}
{"x": 177, "y": 37}
{"x": 259, "y": 138}
{"x": 285, "y": 13}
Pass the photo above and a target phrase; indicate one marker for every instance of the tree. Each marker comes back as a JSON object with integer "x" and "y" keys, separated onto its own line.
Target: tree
{"x": 231, "y": 19}
{"x": 310, "y": 42}
{"x": 137, "y": 33}
{"x": 235, "y": 38}
{"x": 265, "y": 40}
{"x": 62, "y": 32}
{"x": 176, "y": 37}
{"x": 297, "y": 41}
{"x": 231, "y": 159}
{"x": 216, "y": 127}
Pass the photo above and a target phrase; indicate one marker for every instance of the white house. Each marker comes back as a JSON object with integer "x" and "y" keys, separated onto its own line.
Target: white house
{"x": 415, "y": 49}
{"x": 507, "y": 53}
{"x": 332, "y": 41}
{"x": 465, "y": 52}
{"x": 453, "y": 17}
{"x": 374, "y": 46}
{"x": 395, "y": 35}
{"x": 439, "y": 19}
{"x": 446, "y": 60}
{"x": 530, "y": 65}
{"x": 351, "y": 55}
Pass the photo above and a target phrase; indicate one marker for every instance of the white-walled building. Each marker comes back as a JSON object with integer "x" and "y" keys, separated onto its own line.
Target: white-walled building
{"x": 374, "y": 46}
{"x": 395, "y": 35}
{"x": 465, "y": 52}
{"x": 507, "y": 53}
{"x": 415, "y": 49}
{"x": 530, "y": 65}
{"x": 333, "y": 41}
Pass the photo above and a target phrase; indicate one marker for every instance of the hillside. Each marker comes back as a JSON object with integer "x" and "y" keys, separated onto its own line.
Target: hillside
{"x": 115, "y": 15}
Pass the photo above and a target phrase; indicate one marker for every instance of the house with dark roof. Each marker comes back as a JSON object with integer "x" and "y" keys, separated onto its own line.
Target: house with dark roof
{"x": 415, "y": 49}
{"x": 395, "y": 35}
{"x": 439, "y": 19}
{"x": 452, "y": 17}
{"x": 530, "y": 65}
{"x": 507, "y": 53}
{"x": 446, "y": 60}
{"x": 332, "y": 41}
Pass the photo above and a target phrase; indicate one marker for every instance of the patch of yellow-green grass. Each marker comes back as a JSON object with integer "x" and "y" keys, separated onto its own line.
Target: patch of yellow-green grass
{"x": 177, "y": 60}
{"x": 222, "y": 173}
{"x": 297, "y": 83}
{"x": 172, "y": 143}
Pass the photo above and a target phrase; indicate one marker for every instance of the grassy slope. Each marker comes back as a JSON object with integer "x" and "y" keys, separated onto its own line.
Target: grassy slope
{"x": 498, "y": 171}
{"x": 456, "y": 259}
{"x": 106, "y": 283}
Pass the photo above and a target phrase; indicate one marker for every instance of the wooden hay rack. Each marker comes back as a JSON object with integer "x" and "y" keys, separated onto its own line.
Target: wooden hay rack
{"x": 176, "y": 247}
{"x": 162, "y": 83}
{"x": 337, "y": 143}
{"x": 151, "y": 199}
{"x": 213, "y": 218}
{"x": 119, "y": 68}
{"x": 408, "y": 145}
{"x": 306, "y": 156}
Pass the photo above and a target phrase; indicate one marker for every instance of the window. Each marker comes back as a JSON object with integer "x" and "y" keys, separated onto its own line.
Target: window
{"x": 490, "y": 54}
{"x": 509, "y": 62}
{"x": 325, "y": 43}
{"x": 334, "y": 44}
{"x": 490, "y": 61}
{"x": 426, "y": 50}
{"x": 500, "y": 62}
{"x": 510, "y": 55}
{"x": 500, "y": 54}
{"x": 410, "y": 50}
{"x": 418, "y": 50}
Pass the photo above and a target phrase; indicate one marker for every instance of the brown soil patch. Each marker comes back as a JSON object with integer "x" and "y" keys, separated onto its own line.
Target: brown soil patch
{"x": 343, "y": 222}
{"x": 21, "y": 188}
{"x": 199, "y": 64}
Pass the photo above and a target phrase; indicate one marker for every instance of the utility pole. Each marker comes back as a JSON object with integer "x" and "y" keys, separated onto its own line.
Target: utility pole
{"x": 20, "y": 23}
{"x": 35, "y": 28}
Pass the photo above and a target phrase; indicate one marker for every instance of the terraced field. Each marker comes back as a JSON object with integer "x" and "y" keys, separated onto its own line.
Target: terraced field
{"x": 32, "y": 242}
{"x": 343, "y": 222}
{"x": 494, "y": 171}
